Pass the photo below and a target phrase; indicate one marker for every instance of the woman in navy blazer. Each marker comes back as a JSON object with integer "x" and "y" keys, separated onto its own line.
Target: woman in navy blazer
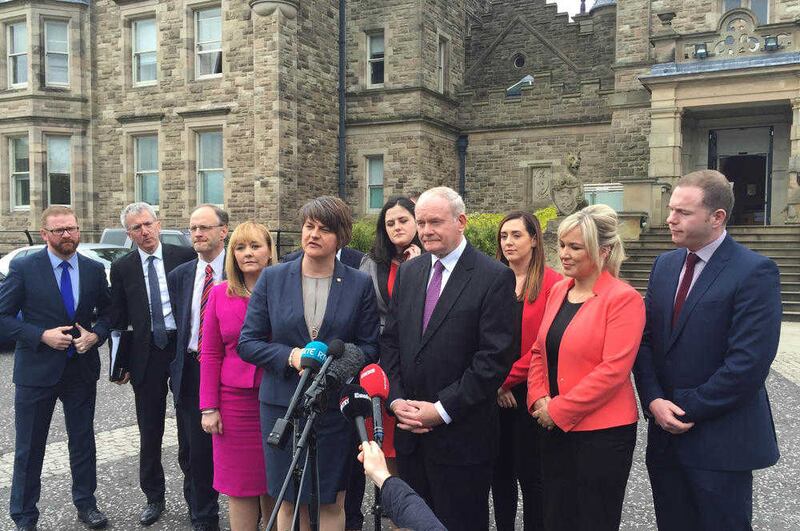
{"x": 279, "y": 323}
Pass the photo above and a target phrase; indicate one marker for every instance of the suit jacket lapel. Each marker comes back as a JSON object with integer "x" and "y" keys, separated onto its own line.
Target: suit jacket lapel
{"x": 49, "y": 278}
{"x": 707, "y": 277}
{"x": 137, "y": 277}
{"x": 458, "y": 280}
{"x": 83, "y": 284}
{"x": 673, "y": 271}
{"x": 295, "y": 288}
{"x": 419, "y": 285}
{"x": 383, "y": 282}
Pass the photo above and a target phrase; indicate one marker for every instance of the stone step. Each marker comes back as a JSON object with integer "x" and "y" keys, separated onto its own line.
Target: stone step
{"x": 784, "y": 247}
{"x": 739, "y": 230}
{"x": 646, "y": 261}
{"x": 748, "y": 239}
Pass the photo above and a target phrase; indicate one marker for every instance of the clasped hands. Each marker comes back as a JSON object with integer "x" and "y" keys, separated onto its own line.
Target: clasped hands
{"x": 666, "y": 414}
{"x": 416, "y": 416}
{"x": 541, "y": 413}
{"x": 60, "y": 338}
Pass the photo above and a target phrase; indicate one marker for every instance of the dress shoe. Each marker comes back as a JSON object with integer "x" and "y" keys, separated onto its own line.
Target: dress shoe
{"x": 93, "y": 519}
{"x": 151, "y": 513}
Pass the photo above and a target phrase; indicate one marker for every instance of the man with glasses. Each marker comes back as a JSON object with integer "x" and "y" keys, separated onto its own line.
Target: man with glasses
{"x": 140, "y": 300}
{"x": 57, "y": 292}
{"x": 189, "y": 286}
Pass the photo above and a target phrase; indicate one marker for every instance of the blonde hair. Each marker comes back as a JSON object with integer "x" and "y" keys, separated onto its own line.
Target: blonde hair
{"x": 598, "y": 224}
{"x": 246, "y": 232}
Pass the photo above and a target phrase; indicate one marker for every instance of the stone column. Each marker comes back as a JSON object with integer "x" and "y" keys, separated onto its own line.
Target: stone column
{"x": 793, "y": 193}
{"x": 666, "y": 143}
{"x": 274, "y": 113}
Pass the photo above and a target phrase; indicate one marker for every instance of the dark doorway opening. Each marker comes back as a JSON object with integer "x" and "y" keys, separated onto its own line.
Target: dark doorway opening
{"x": 748, "y": 173}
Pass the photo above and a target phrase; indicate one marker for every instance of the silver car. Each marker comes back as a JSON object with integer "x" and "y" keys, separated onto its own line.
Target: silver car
{"x": 101, "y": 252}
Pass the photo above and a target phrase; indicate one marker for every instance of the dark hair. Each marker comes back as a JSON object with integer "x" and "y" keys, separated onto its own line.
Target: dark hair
{"x": 331, "y": 212}
{"x": 717, "y": 191}
{"x": 383, "y": 250}
{"x": 222, "y": 216}
{"x": 535, "y": 272}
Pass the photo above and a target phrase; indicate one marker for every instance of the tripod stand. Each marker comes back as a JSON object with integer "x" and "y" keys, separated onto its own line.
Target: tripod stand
{"x": 305, "y": 441}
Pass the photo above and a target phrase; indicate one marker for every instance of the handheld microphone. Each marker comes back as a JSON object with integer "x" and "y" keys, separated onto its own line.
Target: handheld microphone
{"x": 335, "y": 350}
{"x": 346, "y": 368}
{"x": 356, "y": 406}
{"x": 313, "y": 357}
{"x": 376, "y": 383}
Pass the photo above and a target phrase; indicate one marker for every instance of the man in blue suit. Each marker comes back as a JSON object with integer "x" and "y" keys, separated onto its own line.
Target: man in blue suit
{"x": 57, "y": 292}
{"x": 713, "y": 323}
{"x": 189, "y": 284}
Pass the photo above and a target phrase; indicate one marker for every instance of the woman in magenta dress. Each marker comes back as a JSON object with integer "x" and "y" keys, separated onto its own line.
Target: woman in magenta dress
{"x": 229, "y": 386}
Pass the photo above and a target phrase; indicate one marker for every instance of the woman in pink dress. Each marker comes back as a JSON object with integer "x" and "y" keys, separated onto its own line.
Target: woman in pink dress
{"x": 229, "y": 386}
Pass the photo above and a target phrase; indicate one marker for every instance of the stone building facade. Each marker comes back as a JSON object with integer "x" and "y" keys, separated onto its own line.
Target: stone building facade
{"x": 236, "y": 102}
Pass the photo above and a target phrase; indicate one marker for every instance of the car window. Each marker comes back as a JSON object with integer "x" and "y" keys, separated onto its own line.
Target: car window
{"x": 109, "y": 254}
{"x": 172, "y": 239}
{"x": 113, "y": 236}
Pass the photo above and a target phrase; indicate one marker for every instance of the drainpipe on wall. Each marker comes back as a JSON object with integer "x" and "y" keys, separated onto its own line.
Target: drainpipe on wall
{"x": 342, "y": 109}
{"x": 461, "y": 146}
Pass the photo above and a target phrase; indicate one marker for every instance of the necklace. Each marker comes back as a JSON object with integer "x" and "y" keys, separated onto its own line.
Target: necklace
{"x": 318, "y": 288}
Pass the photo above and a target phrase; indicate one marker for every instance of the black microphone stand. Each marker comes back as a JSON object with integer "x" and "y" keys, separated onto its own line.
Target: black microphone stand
{"x": 377, "y": 509}
{"x": 307, "y": 441}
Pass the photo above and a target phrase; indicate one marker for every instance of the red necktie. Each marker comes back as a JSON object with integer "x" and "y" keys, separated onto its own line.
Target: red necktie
{"x": 683, "y": 289}
{"x": 208, "y": 282}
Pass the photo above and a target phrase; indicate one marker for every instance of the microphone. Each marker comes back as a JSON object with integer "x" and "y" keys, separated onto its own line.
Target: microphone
{"x": 346, "y": 368}
{"x": 376, "y": 383}
{"x": 355, "y": 405}
{"x": 335, "y": 350}
{"x": 312, "y": 358}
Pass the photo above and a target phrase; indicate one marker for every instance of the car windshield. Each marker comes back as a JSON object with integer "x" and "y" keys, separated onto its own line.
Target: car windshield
{"x": 113, "y": 236}
{"x": 105, "y": 254}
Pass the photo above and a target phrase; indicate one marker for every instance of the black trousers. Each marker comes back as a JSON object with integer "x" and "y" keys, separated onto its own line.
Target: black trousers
{"x": 194, "y": 448}
{"x": 151, "y": 405}
{"x": 691, "y": 499}
{"x": 33, "y": 411}
{"x": 584, "y": 475}
{"x": 458, "y": 495}
{"x": 519, "y": 460}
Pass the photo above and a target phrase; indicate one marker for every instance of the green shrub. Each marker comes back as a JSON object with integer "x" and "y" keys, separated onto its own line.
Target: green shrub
{"x": 481, "y": 230}
{"x": 363, "y": 233}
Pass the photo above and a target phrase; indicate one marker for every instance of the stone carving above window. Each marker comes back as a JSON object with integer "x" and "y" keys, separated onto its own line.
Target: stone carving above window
{"x": 738, "y": 36}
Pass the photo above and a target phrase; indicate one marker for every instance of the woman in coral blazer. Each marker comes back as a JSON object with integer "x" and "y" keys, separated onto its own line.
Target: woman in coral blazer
{"x": 229, "y": 386}
{"x": 579, "y": 385}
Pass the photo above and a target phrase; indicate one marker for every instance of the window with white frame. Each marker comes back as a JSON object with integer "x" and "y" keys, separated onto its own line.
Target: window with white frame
{"x": 208, "y": 42}
{"x": 442, "y": 60}
{"x": 375, "y": 59}
{"x": 210, "y": 171}
{"x": 59, "y": 165}
{"x": 17, "y": 46}
{"x": 56, "y": 52}
{"x": 145, "y": 167}
{"x": 20, "y": 172}
{"x": 145, "y": 62}
{"x": 759, "y": 7}
{"x": 375, "y": 182}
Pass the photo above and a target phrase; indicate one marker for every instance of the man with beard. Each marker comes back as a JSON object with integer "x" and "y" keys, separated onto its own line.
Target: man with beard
{"x": 57, "y": 292}
{"x": 189, "y": 286}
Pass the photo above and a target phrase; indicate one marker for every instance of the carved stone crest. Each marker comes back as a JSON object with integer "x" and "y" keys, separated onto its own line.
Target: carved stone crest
{"x": 566, "y": 190}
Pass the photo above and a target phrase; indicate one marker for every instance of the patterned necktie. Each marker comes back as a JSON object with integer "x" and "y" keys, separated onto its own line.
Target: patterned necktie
{"x": 156, "y": 307}
{"x": 683, "y": 289}
{"x": 67, "y": 297}
{"x": 208, "y": 282}
{"x": 432, "y": 297}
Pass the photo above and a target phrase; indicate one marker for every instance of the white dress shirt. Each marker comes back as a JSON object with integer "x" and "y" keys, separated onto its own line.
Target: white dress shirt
{"x": 217, "y": 265}
{"x": 158, "y": 263}
{"x": 704, "y": 255}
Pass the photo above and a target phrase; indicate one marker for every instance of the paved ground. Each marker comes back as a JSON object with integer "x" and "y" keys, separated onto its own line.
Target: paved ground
{"x": 776, "y": 500}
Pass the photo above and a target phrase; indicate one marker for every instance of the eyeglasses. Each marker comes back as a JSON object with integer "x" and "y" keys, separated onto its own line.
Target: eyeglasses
{"x": 204, "y": 228}
{"x": 63, "y": 230}
{"x": 139, "y": 226}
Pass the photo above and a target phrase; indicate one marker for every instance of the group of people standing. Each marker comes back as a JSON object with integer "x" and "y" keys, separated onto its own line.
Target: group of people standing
{"x": 501, "y": 371}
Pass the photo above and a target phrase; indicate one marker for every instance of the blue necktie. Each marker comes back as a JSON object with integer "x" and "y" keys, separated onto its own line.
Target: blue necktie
{"x": 67, "y": 297}
{"x": 156, "y": 308}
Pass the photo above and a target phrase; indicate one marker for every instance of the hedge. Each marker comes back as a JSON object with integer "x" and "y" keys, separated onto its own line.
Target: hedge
{"x": 481, "y": 230}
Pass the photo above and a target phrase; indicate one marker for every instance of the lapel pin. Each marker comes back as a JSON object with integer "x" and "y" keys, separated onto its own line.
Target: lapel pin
{"x": 338, "y": 279}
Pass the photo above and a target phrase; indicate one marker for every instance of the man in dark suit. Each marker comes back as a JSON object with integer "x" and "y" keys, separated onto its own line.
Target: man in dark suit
{"x": 346, "y": 255}
{"x": 713, "y": 323}
{"x": 189, "y": 285}
{"x": 58, "y": 293}
{"x": 140, "y": 299}
{"x": 446, "y": 347}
